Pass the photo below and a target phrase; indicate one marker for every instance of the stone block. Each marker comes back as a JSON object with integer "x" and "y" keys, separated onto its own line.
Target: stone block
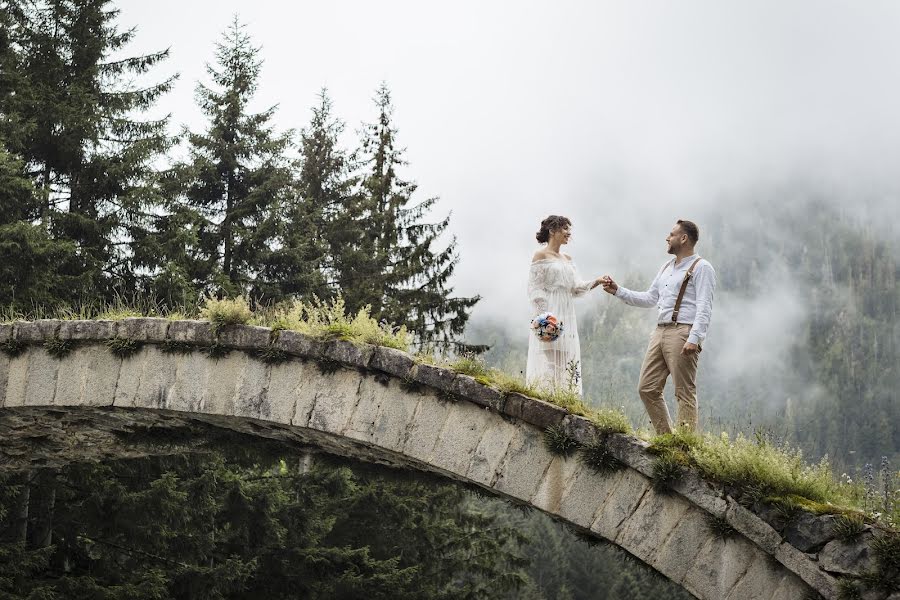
{"x": 490, "y": 451}
{"x": 191, "y": 380}
{"x": 421, "y": 436}
{"x": 762, "y": 576}
{"x": 36, "y": 332}
{"x": 144, "y": 329}
{"x": 252, "y": 399}
{"x": 522, "y": 468}
{"x": 88, "y": 330}
{"x": 191, "y": 332}
{"x": 677, "y": 553}
{"x": 654, "y": 519}
{"x": 284, "y": 380}
{"x": 371, "y": 404}
{"x": 581, "y": 429}
{"x": 720, "y": 565}
{"x": 792, "y": 587}
{"x": 4, "y": 376}
{"x": 396, "y": 410}
{"x": 852, "y": 557}
{"x": 752, "y": 527}
{"x": 537, "y": 412}
{"x": 40, "y": 384}
{"x": 391, "y": 361}
{"x": 298, "y": 344}
{"x": 459, "y": 438}
{"x": 245, "y": 337}
{"x": 466, "y": 387}
{"x": 806, "y": 569}
{"x": 335, "y": 401}
{"x": 157, "y": 376}
{"x": 6, "y": 332}
{"x": 88, "y": 377}
{"x": 621, "y": 504}
{"x": 701, "y": 493}
{"x": 808, "y": 532}
{"x": 557, "y": 479}
{"x": 348, "y": 353}
{"x": 223, "y": 383}
{"x": 17, "y": 378}
{"x": 587, "y": 494}
{"x": 632, "y": 452}
{"x": 435, "y": 377}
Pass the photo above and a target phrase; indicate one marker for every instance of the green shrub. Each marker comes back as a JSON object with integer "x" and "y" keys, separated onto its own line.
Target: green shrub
{"x": 229, "y": 311}
{"x": 58, "y": 348}
{"x": 559, "y": 442}
{"x": 597, "y": 456}
{"x": 122, "y": 347}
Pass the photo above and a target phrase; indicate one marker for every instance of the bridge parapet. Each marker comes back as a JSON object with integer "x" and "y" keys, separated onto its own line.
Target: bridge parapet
{"x": 380, "y": 404}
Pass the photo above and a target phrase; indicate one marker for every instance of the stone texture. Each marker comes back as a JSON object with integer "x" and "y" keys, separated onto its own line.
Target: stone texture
{"x": 719, "y": 566}
{"x": 223, "y": 383}
{"x": 284, "y": 380}
{"x": 586, "y": 494}
{"x": 806, "y": 569}
{"x": 88, "y": 330}
{"x": 40, "y": 385}
{"x": 621, "y": 504}
{"x": 654, "y": 519}
{"x": 792, "y": 588}
{"x": 349, "y": 354}
{"x": 252, "y": 398}
{"x": 751, "y": 526}
{"x": 36, "y": 331}
{"x": 144, "y": 329}
{"x": 554, "y": 485}
{"x": 4, "y": 377}
{"x": 156, "y": 380}
{"x": 298, "y": 344}
{"x": 490, "y": 451}
{"x": 522, "y": 468}
{"x": 6, "y": 331}
{"x": 382, "y": 414}
{"x": 426, "y": 424}
{"x": 701, "y": 493}
{"x": 87, "y": 377}
{"x": 848, "y": 557}
{"x": 537, "y": 412}
{"x": 435, "y": 377}
{"x": 191, "y": 382}
{"x": 191, "y": 332}
{"x": 808, "y": 532}
{"x": 244, "y": 337}
{"x": 677, "y": 553}
{"x": 762, "y": 577}
{"x": 17, "y": 379}
{"x": 391, "y": 361}
{"x": 466, "y": 387}
{"x": 632, "y": 452}
{"x": 459, "y": 437}
{"x": 335, "y": 402}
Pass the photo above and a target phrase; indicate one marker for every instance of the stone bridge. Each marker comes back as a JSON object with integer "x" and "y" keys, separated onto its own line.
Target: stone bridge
{"x": 75, "y": 390}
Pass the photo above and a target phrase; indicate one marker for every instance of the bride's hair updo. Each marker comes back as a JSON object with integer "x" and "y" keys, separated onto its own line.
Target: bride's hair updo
{"x": 549, "y": 225}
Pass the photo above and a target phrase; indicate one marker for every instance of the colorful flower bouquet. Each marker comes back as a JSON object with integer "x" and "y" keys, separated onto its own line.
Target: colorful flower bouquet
{"x": 546, "y": 327}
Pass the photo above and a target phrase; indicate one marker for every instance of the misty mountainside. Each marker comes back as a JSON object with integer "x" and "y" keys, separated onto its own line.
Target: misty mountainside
{"x": 804, "y": 338}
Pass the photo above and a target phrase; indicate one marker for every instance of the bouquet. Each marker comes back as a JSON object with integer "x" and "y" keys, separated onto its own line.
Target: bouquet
{"x": 546, "y": 327}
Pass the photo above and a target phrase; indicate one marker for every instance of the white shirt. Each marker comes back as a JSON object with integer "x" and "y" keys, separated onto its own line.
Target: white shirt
{"x": 696, "y": 306}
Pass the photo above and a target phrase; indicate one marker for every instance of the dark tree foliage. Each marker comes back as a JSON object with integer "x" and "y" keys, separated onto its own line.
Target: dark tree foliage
{"x": 69, "y": 135}
{"x": 384, "y": 255}
{"x": 224, "y": 202}
{"x": 197, "y": 526}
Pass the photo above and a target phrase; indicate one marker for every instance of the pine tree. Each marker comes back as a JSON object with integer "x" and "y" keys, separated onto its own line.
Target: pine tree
{"x": 88, "y": 157}
{"x": 385, "y": 255}
{"x": 217, "y": 232}
{"x": 299, "y": 266}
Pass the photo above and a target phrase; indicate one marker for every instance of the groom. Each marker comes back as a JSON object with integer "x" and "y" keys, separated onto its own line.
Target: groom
{"x": 683, "y": 294}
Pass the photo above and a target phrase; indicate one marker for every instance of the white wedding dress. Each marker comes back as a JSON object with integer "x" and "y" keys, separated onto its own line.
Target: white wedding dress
{"x": 553, "y": 283}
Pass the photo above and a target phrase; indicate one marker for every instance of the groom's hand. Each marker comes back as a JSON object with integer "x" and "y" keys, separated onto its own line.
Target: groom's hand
{"x": 609, "y": 286}
{"x": 689, "y": 349}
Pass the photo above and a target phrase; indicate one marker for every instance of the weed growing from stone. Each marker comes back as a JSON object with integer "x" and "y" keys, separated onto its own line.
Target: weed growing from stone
{"x": 177, "y": 347}
{"x": 559, "y": 442}
{"x": 720, "y": 527}
{"x": 667, "y": 469}
{"x": 328, "y": 366}
{"x": 220, "y": 313}
{"x": 410, "y": 385}
{"x": 848, "y": 527}
{"x": 59, "y": 348}
{"x": 13, "y": 348}
{"x": 597, "y": 456}
{"x": 122, "y": 347}
{"x": 272, "y": 355}
{"x": 886, "y": 550}
{"x": 848, "y": 589}
{"x": 216, "y": 351}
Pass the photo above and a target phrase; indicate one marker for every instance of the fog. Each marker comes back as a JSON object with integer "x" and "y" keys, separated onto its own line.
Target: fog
{"x": 624, "y": 116}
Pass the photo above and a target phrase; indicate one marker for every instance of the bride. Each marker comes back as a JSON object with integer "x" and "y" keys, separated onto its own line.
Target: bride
{"x": 553, "y": 282}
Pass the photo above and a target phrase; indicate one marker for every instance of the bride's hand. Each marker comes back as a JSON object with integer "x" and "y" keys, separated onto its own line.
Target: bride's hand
{"x": 609, "y": 285}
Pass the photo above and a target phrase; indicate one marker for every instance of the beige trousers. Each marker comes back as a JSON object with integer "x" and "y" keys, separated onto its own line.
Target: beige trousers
{"x": 664, "y": 357}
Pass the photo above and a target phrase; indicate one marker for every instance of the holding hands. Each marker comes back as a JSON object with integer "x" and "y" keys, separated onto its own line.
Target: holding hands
{"x": 609, "y": 285}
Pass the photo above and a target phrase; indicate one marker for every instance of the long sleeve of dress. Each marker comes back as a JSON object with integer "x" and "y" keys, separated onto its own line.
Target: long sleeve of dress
{"x": 537, "y": 288}
{"x": 581, "y": 286}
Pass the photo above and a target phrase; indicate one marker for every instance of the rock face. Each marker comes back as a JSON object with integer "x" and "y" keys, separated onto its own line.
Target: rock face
{"x": 378, "y": 405}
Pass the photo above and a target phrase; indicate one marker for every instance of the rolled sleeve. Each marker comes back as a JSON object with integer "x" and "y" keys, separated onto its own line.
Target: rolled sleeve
{"x": 705, "y": 285}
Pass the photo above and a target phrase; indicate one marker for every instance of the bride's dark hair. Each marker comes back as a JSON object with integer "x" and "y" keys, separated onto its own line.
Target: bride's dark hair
{"x": 549, "y": 225}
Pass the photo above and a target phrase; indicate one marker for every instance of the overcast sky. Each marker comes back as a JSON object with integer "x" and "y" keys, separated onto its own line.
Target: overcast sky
{"x": 624, "y": 115}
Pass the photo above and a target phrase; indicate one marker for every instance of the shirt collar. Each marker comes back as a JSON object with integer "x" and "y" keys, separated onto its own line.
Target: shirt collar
{"x": 685, "y": 259}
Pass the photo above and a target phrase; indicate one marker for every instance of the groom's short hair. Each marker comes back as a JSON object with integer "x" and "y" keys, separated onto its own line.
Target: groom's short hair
{"x": 690, "y": 229}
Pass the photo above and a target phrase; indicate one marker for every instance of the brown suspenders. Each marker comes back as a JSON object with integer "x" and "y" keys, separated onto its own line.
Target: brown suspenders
{"x": 684, "y": 283}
